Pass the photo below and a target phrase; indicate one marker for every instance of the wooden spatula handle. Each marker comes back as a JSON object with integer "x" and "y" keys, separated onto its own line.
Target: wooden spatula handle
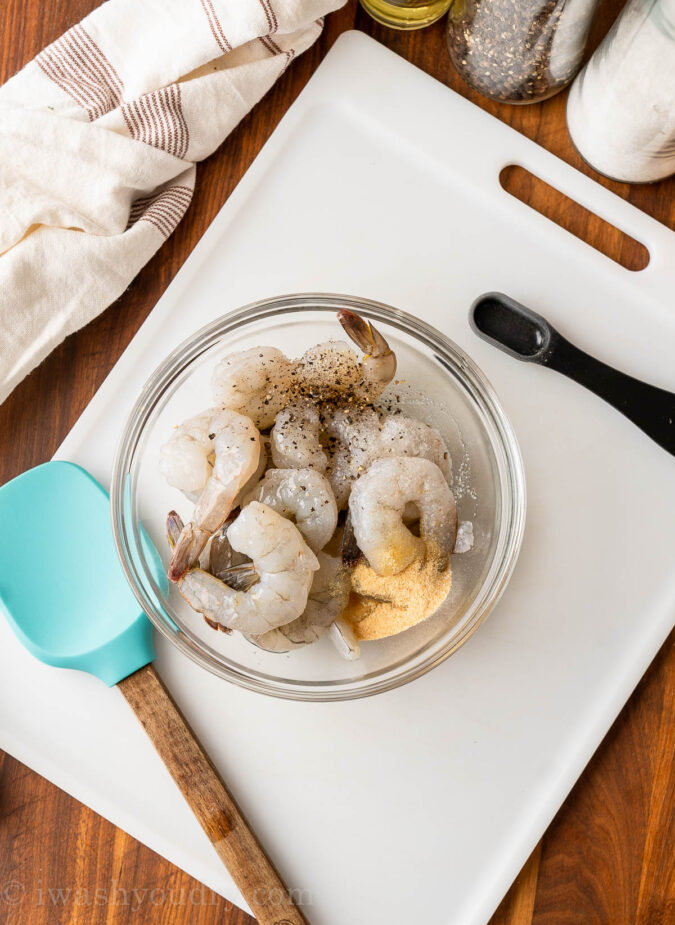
{"x": 209, "y": 799}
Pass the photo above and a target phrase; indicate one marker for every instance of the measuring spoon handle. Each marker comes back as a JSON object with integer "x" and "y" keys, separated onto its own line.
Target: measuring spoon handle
{"x": 650, "y": 408}
{"x": 527, "y": 336}
{"x": 209, "y": 799}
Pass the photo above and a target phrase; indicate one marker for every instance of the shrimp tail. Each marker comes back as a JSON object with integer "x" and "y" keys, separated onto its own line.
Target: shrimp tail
{"x": 212, "y": 510}
{"x": 240, "y": 577}
{"x": 349, "y": 551}
{"x": 364, "y": 334}
{"x": 186, "y": 550}
{"x": 174, "y": 528}
{"x": 379, "y": 363}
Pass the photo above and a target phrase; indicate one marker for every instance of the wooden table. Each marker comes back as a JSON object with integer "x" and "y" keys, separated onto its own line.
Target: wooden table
{"x": 607, "y": 858}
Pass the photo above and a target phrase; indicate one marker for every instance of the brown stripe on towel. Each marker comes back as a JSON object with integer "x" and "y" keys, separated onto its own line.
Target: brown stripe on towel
{"x": 215, "y": 26}
{"x": 163, "y": 210}
{"x": 78, "y": 66}
{"x": 275, "y": 49}
{"x": 157, "y": 119}
{"x": 168, "y": 208}
{"x": 270, "y": 15}
{"x": 174, "y": 195}
{"x": 112, "y": 79}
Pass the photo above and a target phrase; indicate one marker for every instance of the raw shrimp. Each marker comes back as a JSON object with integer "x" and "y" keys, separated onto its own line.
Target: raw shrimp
{"x": 235, "y": 443}
{"x": 285, "y": 566}
{"x": 185, "y": 459}
{"x": 403, "y": 436}
{"x": 332, "y": 370}
{"x": 368, "y": 438}
{"x": 254, "y": 382}
{"x": 328, "y": 598}
{"x": 328, "y": 371}
{"x": 362, "y": 438}
{"x": 295, "y": 438}
{"x": 303, "y": 495}
{"x": 377, "y": 504}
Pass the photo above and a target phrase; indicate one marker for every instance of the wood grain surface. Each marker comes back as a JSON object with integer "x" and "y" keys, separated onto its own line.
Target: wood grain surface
{"x": 608, "y": 856}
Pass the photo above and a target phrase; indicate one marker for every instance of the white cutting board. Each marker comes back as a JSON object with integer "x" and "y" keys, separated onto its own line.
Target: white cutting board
{"x": 422, "y": 804}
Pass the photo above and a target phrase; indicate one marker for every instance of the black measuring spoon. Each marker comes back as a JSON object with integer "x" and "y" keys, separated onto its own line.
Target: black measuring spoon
{"x": 525, "y": 335}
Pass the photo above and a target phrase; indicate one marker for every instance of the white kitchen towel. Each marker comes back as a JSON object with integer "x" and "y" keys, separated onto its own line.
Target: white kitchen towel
{"x": 99, "y": 135}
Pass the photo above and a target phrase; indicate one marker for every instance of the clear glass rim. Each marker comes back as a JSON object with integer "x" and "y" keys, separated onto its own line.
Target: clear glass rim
{"x": 504, "y": 444}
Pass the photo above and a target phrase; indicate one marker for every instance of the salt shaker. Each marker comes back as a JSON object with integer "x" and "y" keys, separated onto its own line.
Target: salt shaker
{"x": 621, "y": 108}
{"x": 518, "y": 51}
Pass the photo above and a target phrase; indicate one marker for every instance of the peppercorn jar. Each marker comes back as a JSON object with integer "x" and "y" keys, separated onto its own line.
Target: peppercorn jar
{"x": 518, "y": 51}
{"x": 621, "y": 108}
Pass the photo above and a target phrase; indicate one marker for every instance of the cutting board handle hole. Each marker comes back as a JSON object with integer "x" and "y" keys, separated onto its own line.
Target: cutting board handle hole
{"x": 573, "y": 217}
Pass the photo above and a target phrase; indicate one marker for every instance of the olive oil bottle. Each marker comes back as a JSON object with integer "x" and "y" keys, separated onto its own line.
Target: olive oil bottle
{"x": 406, "y": 14}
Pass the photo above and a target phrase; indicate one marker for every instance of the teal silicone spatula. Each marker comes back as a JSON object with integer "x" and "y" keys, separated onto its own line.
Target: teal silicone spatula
{"x": 65, "y": 595}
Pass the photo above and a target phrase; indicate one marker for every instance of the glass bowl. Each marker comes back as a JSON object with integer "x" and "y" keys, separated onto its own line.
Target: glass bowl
{"x": 438, "y": 383}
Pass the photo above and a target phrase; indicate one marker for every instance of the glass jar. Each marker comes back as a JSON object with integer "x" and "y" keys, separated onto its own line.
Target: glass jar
{"x": 621, "y": 108}
{"x": 406, "y": 14}
{"x": 518, "y": 51}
